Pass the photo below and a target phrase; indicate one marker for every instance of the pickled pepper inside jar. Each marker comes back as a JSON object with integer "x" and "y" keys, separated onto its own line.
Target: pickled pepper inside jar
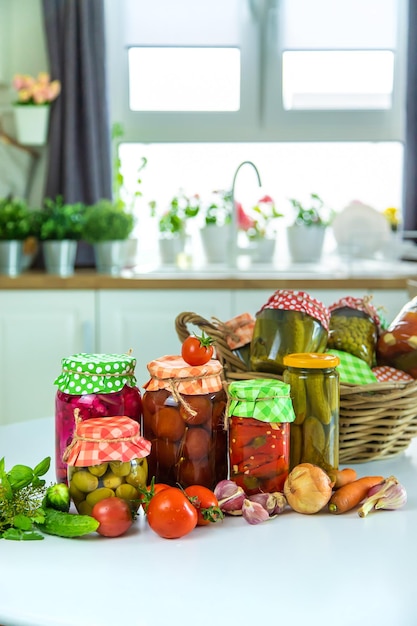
{"x": 290, "y": 322}
{"x": 99, "y": 385}
{"x": 397, "y": 346}
{"x": 106, "y": 458}
{"x": 183, "y": 417}
{"x": 260, "y": 412}
{"x": 315, "y": 393}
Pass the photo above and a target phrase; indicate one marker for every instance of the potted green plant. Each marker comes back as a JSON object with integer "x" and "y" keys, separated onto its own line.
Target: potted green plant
{"x": 17, "y": 226}
{"x": 172, "y": 224}
{"x": 59, "y": 227}
{"x": 306, "y": 235}
{"x": 216, "y": 232}
{"x": 107, "y": 226}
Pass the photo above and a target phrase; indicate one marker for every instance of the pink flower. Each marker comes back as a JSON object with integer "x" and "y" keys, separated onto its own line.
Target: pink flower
{"x": 36, "y": 91}
{"x": 244, "y": 221}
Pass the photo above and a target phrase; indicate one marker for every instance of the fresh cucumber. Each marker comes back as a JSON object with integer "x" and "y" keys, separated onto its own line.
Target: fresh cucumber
{"x": 67, "y": 524}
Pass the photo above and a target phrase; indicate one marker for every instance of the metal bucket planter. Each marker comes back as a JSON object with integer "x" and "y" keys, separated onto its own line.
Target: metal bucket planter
{"x": 111, "y": 256}
{"x": 11, "y": 257}
{"x": 60, "y": 256}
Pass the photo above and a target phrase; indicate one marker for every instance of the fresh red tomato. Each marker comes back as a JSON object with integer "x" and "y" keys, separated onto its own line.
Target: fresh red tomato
{"x": 114, "y": 515}
{"x": 206, "y": 503}
{"x": 149, "y": 492}
{"x": 197, "y": 350}
{"x": 171, "y": 515}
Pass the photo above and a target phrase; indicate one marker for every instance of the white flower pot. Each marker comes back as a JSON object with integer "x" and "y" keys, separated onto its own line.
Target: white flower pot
{"x": 305, "y": 243}
{"x": 216, "y": 243}
{"x": 170, "y": 248}
{"x": 111, "y": 256}
{"x": 32, "y": 123}
{"x": 263, "y": 250}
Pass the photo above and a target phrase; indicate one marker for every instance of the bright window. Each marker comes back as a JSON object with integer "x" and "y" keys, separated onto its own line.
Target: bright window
{"x": 184, "y": 79}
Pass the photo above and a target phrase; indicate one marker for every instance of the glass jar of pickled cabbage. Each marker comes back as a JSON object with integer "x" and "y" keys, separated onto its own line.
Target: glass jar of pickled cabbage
{"x": 99, "y": 385}
{"x": 106, "y": 458}
{"x": 290, "y": 322}
{"x": 314, "y": 384}
{"x": 260, "y": 412}
{"x": 184, "y": 418}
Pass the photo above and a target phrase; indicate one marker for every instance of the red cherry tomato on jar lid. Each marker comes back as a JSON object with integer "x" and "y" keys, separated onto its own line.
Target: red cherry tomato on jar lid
{"x": 114, "y": 515}
{"x": 197, "y": 350}
{"x": 171, "y": 515}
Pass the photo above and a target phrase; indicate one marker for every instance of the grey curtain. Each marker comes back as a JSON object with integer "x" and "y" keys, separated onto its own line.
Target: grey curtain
{"x": 410, "y": 154}
{"x": 80, "y": 165}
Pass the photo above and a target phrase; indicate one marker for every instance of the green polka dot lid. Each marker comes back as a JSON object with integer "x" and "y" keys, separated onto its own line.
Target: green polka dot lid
{"x": 96, "y": 373}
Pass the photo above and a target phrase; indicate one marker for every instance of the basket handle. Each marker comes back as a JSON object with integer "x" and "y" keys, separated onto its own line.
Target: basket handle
{"x": 183, "y": 319}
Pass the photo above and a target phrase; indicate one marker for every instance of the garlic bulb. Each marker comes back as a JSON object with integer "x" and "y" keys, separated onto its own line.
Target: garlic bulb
{"x": 389, "y": 495}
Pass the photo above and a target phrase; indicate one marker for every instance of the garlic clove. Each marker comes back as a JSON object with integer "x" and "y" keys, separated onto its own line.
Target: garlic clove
{"x": 266, "y": 500}
{"x": 389, "y": 495}
{"x": 280, "y": 502}
{"x": 230, "y": 497}
{"x": 253, "y": 512}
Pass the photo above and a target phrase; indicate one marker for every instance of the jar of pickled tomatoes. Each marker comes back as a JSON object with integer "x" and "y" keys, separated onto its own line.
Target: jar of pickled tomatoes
{"x": 184, "y": 418}
{"x": 99, "y": 385}
{"x": 106, "y": 458}
{"x": 260, "y": 412}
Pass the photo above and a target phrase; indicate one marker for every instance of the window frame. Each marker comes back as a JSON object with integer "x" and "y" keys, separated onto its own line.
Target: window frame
{"x": 262, "y": 116}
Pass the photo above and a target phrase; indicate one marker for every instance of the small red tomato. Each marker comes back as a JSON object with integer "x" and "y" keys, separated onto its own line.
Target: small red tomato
{"x": 206, "y": 504}
{"x": 114, "y": 515}
{"x": 171, "y": 515}
{"x": 197, "y": 350}
{"x": 149, "y": 492}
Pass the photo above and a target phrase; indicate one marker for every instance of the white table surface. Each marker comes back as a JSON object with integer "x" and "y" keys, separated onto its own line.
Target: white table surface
{"x": 295, "y": 570}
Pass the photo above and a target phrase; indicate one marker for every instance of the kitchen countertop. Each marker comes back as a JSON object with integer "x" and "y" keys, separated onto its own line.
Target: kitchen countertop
{"x": 319, "y": 570}
{"x": 358, "y": 274}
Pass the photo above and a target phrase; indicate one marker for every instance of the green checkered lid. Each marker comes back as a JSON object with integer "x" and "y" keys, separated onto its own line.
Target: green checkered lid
{"x": 96, "y": 373}
{"x": 267, "y": 400}
{"x": 352, "y": 369}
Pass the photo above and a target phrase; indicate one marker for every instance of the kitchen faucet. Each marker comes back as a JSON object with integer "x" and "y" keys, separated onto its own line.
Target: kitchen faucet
{"x": 234, "y": 222}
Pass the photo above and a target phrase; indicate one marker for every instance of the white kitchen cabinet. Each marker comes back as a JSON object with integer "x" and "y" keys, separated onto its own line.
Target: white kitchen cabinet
{"x": 144, "y": 320}
{"x": 38, "y": 329}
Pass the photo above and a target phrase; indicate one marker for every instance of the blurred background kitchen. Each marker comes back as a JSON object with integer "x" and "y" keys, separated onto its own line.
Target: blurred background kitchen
{"x": 171, "y": 98}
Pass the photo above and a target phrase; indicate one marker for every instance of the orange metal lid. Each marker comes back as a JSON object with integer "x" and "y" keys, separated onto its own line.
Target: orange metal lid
{"x": 311, "y": 360}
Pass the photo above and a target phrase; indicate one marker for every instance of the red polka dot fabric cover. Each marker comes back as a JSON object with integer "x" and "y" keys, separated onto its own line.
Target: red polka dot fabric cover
{"x": 290, "y": 300}
{"x": 386, "y": 373}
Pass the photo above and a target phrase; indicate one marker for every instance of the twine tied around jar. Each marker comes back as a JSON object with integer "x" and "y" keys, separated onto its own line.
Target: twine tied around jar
{"x": 173, "y": 383}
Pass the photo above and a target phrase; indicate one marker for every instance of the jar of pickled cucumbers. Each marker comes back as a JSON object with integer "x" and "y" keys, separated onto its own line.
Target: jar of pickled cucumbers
{"x": 106, "y": 458}
{"x": 184, "y": 418}
{"x": 99, "y": 385}
{"x": 260, "y": 412}
{"x": 290, "y": 322}
{"x": 314, "y": 384}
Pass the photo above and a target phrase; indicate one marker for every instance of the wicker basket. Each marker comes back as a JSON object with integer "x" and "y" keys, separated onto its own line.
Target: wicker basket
{"x": 376, "y": 421}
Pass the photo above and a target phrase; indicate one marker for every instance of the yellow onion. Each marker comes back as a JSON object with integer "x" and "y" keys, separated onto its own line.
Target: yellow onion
{"x": 308, "y": 488}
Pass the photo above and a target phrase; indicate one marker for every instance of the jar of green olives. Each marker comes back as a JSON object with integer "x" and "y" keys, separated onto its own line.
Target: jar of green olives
{"x": 106, "y": 458}
{"x": 289, "y": 322}
{"x": 314, "y": 385}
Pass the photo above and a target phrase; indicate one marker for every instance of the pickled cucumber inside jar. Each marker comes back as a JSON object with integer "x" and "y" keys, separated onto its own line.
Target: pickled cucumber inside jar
{"x": 353, "y": 331}
{"x": 280, "y": 332}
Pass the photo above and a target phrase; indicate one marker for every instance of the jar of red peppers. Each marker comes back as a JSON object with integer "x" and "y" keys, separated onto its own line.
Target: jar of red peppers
{"x": 99, "y": 385}
{"x": 397, "y": 346}
{"x": 289, "y": 322}
{"x": 314, "y": 383}
{"x": 106, "y": 458}
{"x": 183, "y": 417}
{"x": 260, "y": 412}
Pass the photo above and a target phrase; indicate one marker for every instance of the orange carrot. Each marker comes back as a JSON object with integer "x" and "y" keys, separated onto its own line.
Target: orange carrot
{"x": 343, "y": 477}
{"x": 349, "y": 496}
